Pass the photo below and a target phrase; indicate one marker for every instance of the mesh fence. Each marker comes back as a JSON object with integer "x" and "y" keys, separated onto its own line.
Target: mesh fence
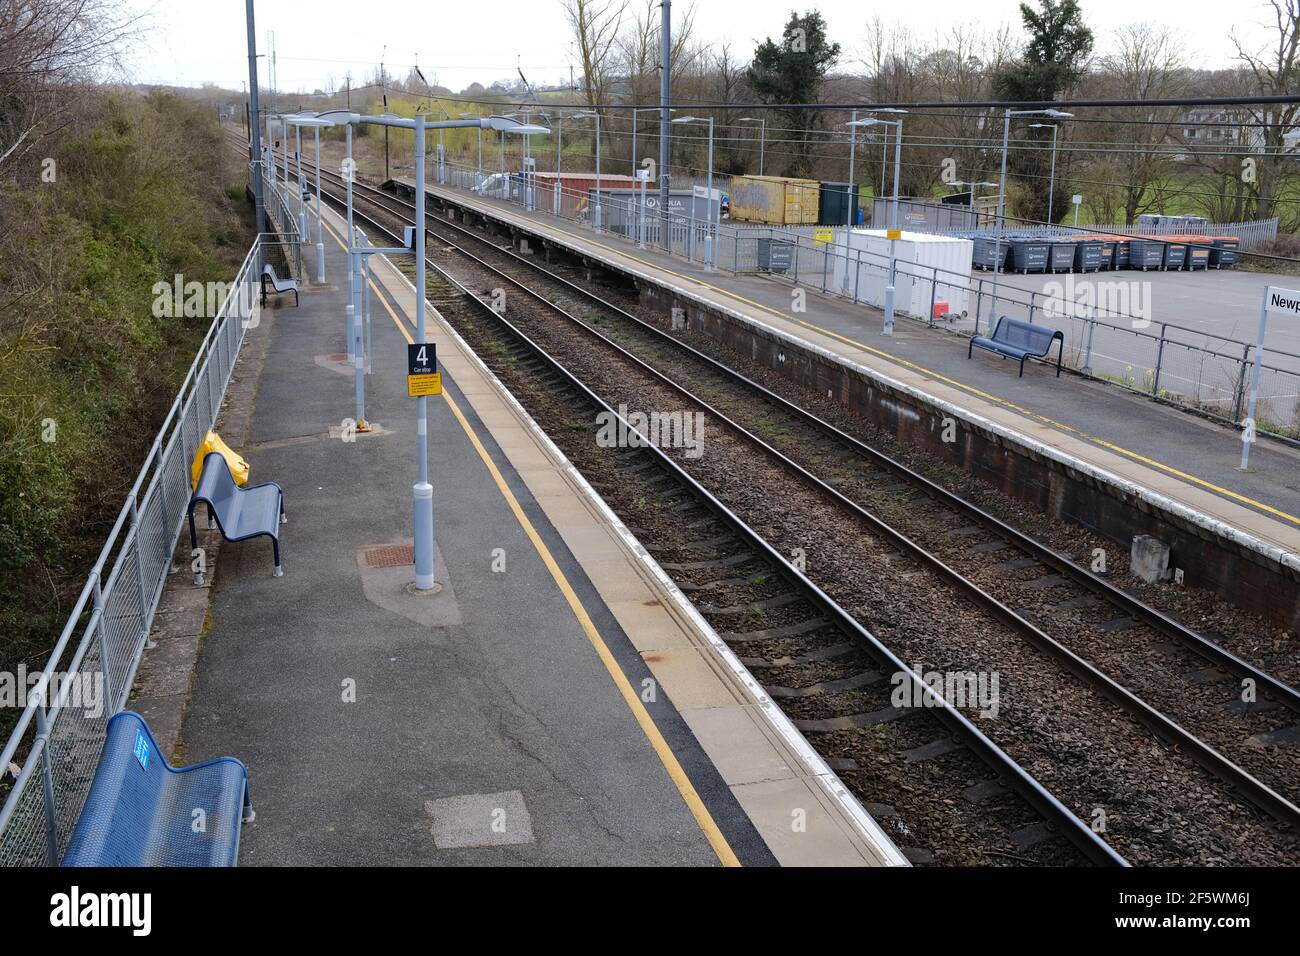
{"x": 88, "y": 677}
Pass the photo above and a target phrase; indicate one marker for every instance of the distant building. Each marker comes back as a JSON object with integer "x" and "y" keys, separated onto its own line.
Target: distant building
{"x": 1217, "y": 127}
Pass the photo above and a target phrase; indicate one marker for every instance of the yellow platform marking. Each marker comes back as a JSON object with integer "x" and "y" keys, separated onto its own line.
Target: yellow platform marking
{"x": 987, "y": 396}
{"x": 690, "y": 796}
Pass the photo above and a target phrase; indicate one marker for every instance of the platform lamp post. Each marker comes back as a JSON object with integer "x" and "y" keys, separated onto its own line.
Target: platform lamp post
{"x": 315, "y": 122}
{"x": 442, "y": 149}
{"x": 1002, "y": 199}
{"x": 762, "y": 136}
{"x": 589, "y": 114}
{"x": 559, "y": 157}
{"x": 422, "y": 490}
{"x": 893, "y": 209}
{"x": 1051, "y": 176}
{"x": 710, "y": 239}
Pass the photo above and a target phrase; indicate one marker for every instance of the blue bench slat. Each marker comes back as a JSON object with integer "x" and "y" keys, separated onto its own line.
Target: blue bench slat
{"x": 240, "y": 513}
{"x": 141, "y": 811}
{"x": 1020, "y": 340}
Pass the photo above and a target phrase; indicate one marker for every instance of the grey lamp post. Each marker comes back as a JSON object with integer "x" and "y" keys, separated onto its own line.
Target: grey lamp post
{"x": 762, "y": 136}
{"x": 589, "y": 114}
{"x": 1051, "y": 176}
{"x": 884, "y": 142}
{"x": 1002, "y": 198}
{"x": 893, "y": 210}
{"x": 527, "y": 130}
{"x": 710, "y": 238}
{"x": 315, "y": 122}
{"x": 559, "y": 158}
{"x": 442, "y": 149}
{"x": 422, "y": 491}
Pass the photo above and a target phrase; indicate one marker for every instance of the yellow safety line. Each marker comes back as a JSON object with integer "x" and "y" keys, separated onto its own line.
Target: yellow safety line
{"x": 988, "y": 396}
{"x": 666, "y": 756}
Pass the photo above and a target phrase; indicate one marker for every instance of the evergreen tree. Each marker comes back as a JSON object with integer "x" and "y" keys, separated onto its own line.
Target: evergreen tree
{"x": 1053, "y": 60}
{"x": 792, "y": 71}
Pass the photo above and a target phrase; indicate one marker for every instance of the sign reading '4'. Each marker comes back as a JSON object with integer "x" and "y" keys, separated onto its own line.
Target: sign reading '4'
{"x": 422, "y": 375}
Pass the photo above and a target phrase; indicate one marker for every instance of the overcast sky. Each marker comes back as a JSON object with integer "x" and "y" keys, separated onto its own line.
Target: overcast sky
{"x": 457, "y": 43}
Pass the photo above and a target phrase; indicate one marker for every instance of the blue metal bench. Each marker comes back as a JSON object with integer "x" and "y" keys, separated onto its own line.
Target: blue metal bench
{"x": 278, "y": 285}
{"x": 240, "y": 513}
{"x": 1020, "y": 340}
{"x": 141, "y": 811}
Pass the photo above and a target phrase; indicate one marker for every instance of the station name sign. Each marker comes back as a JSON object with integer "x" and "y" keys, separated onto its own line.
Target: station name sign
{"x": 1282, "y": 301}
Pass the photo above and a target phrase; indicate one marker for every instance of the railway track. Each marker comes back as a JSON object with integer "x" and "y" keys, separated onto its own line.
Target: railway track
{"x": 800, "y": 649}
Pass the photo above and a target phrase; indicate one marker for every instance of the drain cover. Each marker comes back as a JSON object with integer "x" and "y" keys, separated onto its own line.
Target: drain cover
{"x": 390, "y": 555}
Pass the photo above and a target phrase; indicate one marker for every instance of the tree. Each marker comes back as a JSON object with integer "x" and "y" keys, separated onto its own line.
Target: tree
{"x": 595, "y": 25}
{"x": 1054, "y": 57}
{"x": 793, "y": 72}
{"x": 1052, "y": 61}
{"x": 1145, "y": 65}
{"x": 1273, "y": 72}
{"x": 46, "y": 50}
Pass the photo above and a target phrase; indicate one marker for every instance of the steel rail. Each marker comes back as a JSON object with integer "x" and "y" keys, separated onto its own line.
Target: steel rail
{"x": 1210, "y": 759}
{"x": 1034, "y": 793}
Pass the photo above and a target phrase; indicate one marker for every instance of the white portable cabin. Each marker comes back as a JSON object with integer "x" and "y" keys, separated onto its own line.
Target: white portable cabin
{"x": 924, "y": 263}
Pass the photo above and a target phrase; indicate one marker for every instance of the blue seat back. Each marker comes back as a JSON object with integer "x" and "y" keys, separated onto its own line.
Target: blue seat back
{"x": 142, "y": 812}
{"x": 1023, "y": 335}
{"x": 217, "y": 484}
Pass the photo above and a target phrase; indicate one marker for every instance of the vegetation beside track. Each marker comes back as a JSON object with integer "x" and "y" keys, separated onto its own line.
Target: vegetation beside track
{"x": 133, "y": 190}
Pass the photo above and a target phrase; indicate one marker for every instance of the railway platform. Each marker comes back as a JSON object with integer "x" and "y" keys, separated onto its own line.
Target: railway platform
{"x": 559, "y": 702}
{"x": 1123, "y": 437}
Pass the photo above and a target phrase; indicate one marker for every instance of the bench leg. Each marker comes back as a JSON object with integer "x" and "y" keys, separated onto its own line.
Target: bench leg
{"x": 194, "y": 543}
{"x": 249, "y": 815}
{"x": 970, "y": 348}
{"x": 1060, "y": 352}
{"x": 1022, "y": 366}
{"x": 275, "y": 547}
{"x": 284, "y": 518}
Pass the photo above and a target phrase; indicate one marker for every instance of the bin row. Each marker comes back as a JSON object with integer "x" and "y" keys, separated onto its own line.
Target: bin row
{"x": 1102, "y": 253}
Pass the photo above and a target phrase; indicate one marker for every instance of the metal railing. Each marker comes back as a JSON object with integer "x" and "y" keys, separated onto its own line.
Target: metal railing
{"x": 89, "y": 673}
{"x": 1194, "y": 370}
{"x": 286, "y": 217}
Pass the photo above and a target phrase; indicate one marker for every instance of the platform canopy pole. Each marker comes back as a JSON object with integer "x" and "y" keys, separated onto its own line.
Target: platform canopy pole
{"x": 665, "y": 130}
{"x": 320, "y": 225}
{"x": 348, "y": 120}
{"x": 422, "y": 490}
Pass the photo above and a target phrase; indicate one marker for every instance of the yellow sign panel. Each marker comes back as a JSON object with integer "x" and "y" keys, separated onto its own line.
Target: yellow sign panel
{"x": 429, "y": 383}
{"x": 893, "y": 234}
{"x": 823, "y": 235}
